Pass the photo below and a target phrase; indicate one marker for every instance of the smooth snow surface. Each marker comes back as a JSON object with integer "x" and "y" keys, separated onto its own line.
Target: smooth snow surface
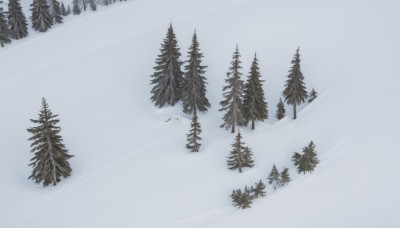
{"x": 131, "y": 167}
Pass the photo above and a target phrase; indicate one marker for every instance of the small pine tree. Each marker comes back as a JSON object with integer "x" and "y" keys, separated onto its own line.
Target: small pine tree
{"x": 64, "y": 11}
{"x": 75, "y": 8}
{"x": 233, "y": 94}
{"x": 168, "y": 77}
{"x": 280, "y": 111}
{"x": 194, "y": 89}
{"x": 295, "y": 90}
{"x": 50, "y": 161}
{"x": 93, "y": 5}
{"x": 16, "y": 20}
{"x": 285, "y": 178}
{"x": 193, "y": 137}
{"x": 235, "y": 196}
{"x": 41, "y": 18}
{"x": 259, "y": 190}
{"x": 312, "y": 96}
{"x": 308, "y": 160}
{"x": 240, "y": 156}
{"x": 254, "y": 104}
{"x": 274, "y": 177}
{"x": 5, "y": 32}
{"x": 246, "y": 199}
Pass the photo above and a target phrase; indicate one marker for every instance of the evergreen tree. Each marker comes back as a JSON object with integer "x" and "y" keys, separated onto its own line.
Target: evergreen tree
{"x": 280, "y": 111}
{"x": 64, "y": 11}
{"x": 75, "y": 8}
{"x": 233, "y": 95}
{"x": 68, "y": 10}
{"x": 240, "y": 156}
{"x": 308, "y": 160}
{"x": 93, "y": 5}
{"x": 312, "y": 96}
{"x": 194, "y": 89}
{"x": 41, "y": 18}
{"x": 84, "y": 5}
{"x": 273, "y": 177}
{"x": 168, "y": 77}
{"x": 17, "y": 20}
{"x": 194, "y": 136}
{"x": 5, "y": 32}
{"x": 254, "y": 105}
{"x": 259, "y": 190}
{"x": 50, "y": 161}
{"x": 55, "y": 11}
{"x": 235, "y": 196}
{"x": 295, "y": 90}
{"x": 285, "y": 178}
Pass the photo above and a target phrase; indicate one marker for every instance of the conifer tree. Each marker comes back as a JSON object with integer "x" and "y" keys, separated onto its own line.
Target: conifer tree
{"x": 273, "y": 177}
{"x": 295, "y": 90}
{"x": 194, "y": 136}
{"x": 308, "y": 160}
{"x": 284, "y": 178}
{"x": 68, "y": 10}
{"x": 41, "y": 18}
{"x": 233, "y": 94}
{"x": 259, "y": 190}
{"x": 280, "y": 111}
{"x": 17, "y": 20}
{"x": 242, "y": 200}
{"x": 194, "y": 88}
{"x": 240, "y": 156}
{"x": 55, "y": 11}
{"x": 84, "y": 5}
{"x": 75, "y": 8}
{"x": 5, "y": 32}
{"x": 50, "y": 161}
{"x": 64, "y": 11}
{"x": 254, "y": 104}
{"x": 235, "y": 196}
{"x": 312, "y": 96}
{"x": 93, "y": 5}
{"x": 168, "y": 77}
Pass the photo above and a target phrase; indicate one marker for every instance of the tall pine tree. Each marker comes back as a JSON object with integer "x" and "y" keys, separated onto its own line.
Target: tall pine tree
{"x": 50, "y": 161}
{"x": 295, "y": 91}
{"x": 233, "y": 94}
{"x": 254, "y": 105}
{"x": 280, "y": 110}
{"x": 194, "y": 88}
{"x": 240, "y": 155}
{"x": 194, "y": 136}
{"x": 17, "y": 20}
{"x": 41, "y": 18}
{"x": 5, "y": 32}
{"x": 168, "y": 77}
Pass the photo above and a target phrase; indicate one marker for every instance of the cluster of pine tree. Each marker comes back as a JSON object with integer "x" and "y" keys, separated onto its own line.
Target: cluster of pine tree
{"x": 307, "y": 161}
{"x": 277, "y": 179}
{"x": 244, "y": 199}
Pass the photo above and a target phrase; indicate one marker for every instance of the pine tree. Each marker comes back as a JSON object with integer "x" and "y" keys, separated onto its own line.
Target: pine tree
{"x": 84, "y": 7}
{"x": 273, "y": 177}
{"x": 312, "y": 96}
{"x": 246, "y": 199}
{"x": 233, "y": 95}
{"x": 254, "y": 105}
{"x": 295, "y": 90}
{"x": 194, "y": 136}
{"x": 75, "y": 8}
{"x": 68, "y": 10}
{"x": 284, "y": 178}
{"x": 5, "y": 32}
{"x": 308, "y": 160}
{"x": 93, "y": 5}
{"x": 41, "y": 18}
{"x": 194, "y": 89}
{"x": 16, "y": 20}
{"x": 240, "y": 156}
{"x": 50, "y": 161}
{"x": 280, "y": 111}
{"x": 235, "y": 196}
{"x": 55, "y": 11}
{"x": 168, "y": 77}
{"x": 64, "y": 12}
{"x": 259, "y": 190}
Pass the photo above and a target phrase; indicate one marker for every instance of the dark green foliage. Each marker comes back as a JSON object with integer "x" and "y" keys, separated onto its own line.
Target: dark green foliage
{"x": 242, "y": 200}
{"x": 75, "y": 8}
{"x": 259, "y": 190}
{"x": 312, "y": 96}
{"x": 5, "y": 32}
{"x": 55, "y": 11}
{"x": 240, "y": 156}
{"x": 50, "y": 161}
{"x": 308, "y": 160}
{"x": 168, "y": 77}
{"x": 284, "y": 178}
{"x": 16, "y": 20}
{"x": 233, "y": 94}
{"x": 193, "y": 137}
{"x": 254, "y": 104}
{"x": 280, "y": 111}
{"x": 194, "y": 89}
{"x": 64, "y": 12}
{"x": 93, "y": 5}
{"x": 295, "y": 90}
{"x": 41, "y": 18}
{"x": 274, "y": 177}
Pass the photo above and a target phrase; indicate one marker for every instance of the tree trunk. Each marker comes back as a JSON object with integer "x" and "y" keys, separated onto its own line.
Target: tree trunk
{"x": 233, "y": 128}
{"x": 252, "y": 124}
{"x": 294, "y": 109}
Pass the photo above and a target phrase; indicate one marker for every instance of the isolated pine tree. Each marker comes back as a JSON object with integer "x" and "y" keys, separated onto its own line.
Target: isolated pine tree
{"x": 50, "y": 161}
{"x": 240, "y": 156}
{"x": 295, "y": 90}
{"x": 75, "y": 8}
{"x": 280, "y": 111}
{"x": 193, "y": 137}
{"x": 284, "y": 177}
{"x": 5, "y": 33}
{"x": 93, "y": 5}
{"x": 273, "y": 178}
{"x": 194, "y": 88}
{"x": 313, "y": 95}
{"x": 168, "y": 77}
{"x": 64, "y": 11}
{"x": 233, "y": 94}
{"x": 17, "y": 20}
{"x": 259, "y": 190}
{"x": 307, "y": 161}
{"x": 41, "y": 18}
{"x": 55, "y": 11}
{"x": 254, "y": 104}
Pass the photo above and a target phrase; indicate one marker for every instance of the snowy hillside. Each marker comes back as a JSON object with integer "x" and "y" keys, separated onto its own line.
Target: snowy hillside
{"x": 131, "y": 167}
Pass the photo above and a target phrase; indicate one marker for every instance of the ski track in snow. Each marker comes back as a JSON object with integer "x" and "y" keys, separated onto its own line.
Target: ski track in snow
{"x": 203, "y": 218}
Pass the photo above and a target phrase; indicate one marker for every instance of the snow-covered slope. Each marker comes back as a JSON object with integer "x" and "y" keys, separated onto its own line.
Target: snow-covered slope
{"x": 131, "y": 168}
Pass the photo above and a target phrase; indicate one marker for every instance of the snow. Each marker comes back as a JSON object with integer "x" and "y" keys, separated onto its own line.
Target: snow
{"x": 131, "y": 167}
